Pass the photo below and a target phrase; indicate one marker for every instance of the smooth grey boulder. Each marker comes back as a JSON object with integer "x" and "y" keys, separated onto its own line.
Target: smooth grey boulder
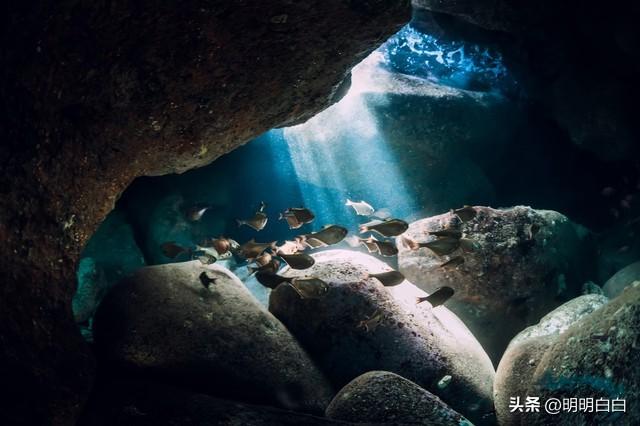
{"x": 519, "y": 362}
{"x": 621, "y": 279}
{"x": 597, "y": 357}
{"x": 381, "y": 397}
{"x": 519, "y": 264}
{"x": 360, "y": 326}
{"x": 163, "y": 322}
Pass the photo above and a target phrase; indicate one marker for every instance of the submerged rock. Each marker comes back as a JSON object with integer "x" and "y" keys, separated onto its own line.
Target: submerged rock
{"x": 621, "y": 279}
{"x": 163, "y": 322}
{"x": 133, "y": 403}
{"x": 383, "y": 397}
{"x": 519, "y": 264}
{"x": 519, "y": 362}
{"x": 111, "y": 255}
{"x": 361, "y": 326}
{"x": 596, "y": 357}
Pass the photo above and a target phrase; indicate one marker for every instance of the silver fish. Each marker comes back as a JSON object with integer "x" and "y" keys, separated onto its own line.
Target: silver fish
{"x": 309, "y": 288}
{"x": 257, "y": 222}
{"x": 296, "y": 217}
{"x": 251, "y": 249}
{"x": 438, "y": 297}
{"x": 387, "y": 228}
{"x": 298, "y": 261}
{"x": 196, "y": 212}
{"x": 290, "y": 247}
{"x": 362, "y": 208}
{"x": 270, "y": 267}
{"x": 373, "y": 245}
{"x": 388, "y": 279}
{"x": 330, "y": 234}
{"x": 271, "y": 280}
{"x": 212, "y": 253}
{"x": 369, "y": 243}
{"x": 441, "y": 246}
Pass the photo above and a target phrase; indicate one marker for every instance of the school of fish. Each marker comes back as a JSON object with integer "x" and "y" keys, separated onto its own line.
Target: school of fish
{"x": 265, "y": 260}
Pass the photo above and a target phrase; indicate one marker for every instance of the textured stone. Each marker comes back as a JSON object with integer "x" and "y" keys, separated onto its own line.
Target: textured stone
{"x": 162, "y": 322}
{"x": 621, "y": 279}
{"x": 519, "y": 362}
{"x": 97, "y": 94}
{"x": 557, "y": 50}
{"x": 596, "y": 357}
{"x": 511, "y": 277}
{"x": 416, "y": 342}
{"x": 383, "y": 397}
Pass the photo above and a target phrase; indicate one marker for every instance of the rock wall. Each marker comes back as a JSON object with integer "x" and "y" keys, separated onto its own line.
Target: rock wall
{"x": 99, "y": 93}
{"x": 579, "y": 59}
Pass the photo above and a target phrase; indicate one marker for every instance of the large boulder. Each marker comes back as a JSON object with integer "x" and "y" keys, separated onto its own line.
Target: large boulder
{"x": 525, "y": 351}
{"x": 596, "y": 357}
{"x": 141, "y": 403}
{"x": 383, "y": 397}
{"x": 360, "y": 326}
{"x": 621, "y": 279}
{"x": 519, "y": 264}
{"x": 163, "y": 322}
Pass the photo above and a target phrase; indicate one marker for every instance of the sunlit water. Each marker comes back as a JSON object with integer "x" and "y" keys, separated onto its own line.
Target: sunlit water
{"x": 346, "y": 152}
{"x": 451, "y": 63}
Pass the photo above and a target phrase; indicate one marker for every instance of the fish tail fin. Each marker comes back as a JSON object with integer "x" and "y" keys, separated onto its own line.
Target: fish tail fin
{"x": 252, "y": 269}
{"x": 421, "y": 299}
{"x": 363, "y": 228}
{"x": 240, "y": 222}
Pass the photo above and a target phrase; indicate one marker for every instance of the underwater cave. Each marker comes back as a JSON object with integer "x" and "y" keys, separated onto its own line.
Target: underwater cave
{"x": 342, "y": 213}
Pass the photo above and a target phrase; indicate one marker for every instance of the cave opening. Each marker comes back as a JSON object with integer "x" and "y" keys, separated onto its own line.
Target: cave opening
{"x": 429, "y": 123}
